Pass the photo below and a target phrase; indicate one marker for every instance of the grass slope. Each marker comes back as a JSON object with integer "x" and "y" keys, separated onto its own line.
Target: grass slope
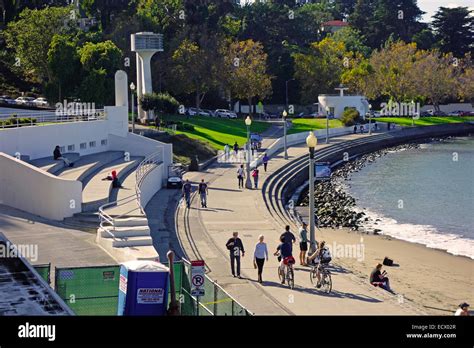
{"x": 218, "y": 131}
{"x": 309, "y": 124}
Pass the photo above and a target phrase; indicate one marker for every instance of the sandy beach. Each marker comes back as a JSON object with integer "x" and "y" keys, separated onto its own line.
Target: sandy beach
{"x": 431, "y": 278}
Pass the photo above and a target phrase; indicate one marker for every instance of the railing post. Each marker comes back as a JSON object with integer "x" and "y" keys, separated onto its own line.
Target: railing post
{"x": 233, "y": 307}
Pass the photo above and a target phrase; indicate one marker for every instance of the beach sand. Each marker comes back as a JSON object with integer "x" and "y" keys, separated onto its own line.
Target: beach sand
{"x": 433, "y": 279}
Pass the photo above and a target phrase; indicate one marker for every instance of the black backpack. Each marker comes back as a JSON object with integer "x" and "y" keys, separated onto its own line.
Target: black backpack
{"x": 387, "y": 261}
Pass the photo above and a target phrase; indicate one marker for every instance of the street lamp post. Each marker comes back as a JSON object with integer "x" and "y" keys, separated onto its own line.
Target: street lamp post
{"x": 132, "y": 89}
{"x": 248, "y": 182}
{"x": 327, "y": 125}
{"x": 370, "y": 119}
{"x": 311, "y": 142}
{"x": 284, "y": 133}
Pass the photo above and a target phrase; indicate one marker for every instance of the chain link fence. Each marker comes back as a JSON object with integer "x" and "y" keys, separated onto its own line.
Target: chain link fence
{"x": 94, "y": 291}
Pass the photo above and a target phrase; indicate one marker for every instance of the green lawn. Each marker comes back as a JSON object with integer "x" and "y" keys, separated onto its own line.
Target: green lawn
{"x": 218, "y": 131}
{"x": 424, "y": 121}
{"x": 309, "y": 124}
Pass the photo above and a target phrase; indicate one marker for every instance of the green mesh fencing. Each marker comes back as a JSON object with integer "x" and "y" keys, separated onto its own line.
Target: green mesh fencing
{"x": 89, "y": 290}
{"x": 94, "y": 291}
{"x": 44, "y": 271}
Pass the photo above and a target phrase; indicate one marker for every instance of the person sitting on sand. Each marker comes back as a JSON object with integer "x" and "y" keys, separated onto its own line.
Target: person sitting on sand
{"x": 463, "y": 310}
{"x": 379, "y": 278}
{"x": 114, "y": 178}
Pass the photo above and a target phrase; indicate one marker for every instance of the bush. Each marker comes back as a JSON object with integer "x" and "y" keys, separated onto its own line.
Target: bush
{"x": 13, "y": 121}
{"x": 350, "y": 117}
{"x": 159, "y": 102}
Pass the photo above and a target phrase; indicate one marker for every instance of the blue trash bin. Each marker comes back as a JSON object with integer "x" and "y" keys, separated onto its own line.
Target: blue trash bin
{"x": 143, "y": 288}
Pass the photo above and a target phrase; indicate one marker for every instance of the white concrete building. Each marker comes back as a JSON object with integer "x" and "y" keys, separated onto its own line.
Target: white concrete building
{"x": 336, "y": 104}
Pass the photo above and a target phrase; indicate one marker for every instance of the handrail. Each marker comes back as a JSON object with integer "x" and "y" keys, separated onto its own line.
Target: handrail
{"x": 107, "y": 222}
{"x": 144, "y": 168}
{"x": 37, "y": 118}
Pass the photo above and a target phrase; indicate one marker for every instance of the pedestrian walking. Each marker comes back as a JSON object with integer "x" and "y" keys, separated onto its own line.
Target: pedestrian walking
{"x": 226, "y": 152}
{"x": 355, "y": 129}
{"x": 303, "y": 243}
{"x": 265, "y": 161}
{"x": 255, "y": 177}
{"x": 260, "y": 255}
{"x": 241, "y": 176}
{"x": 236, "y": 148}
{"x": 287, "y": 237}
{"x": 203, "y": 193}
{"x": 187, "y": 188}
{"x": 236, "y": 248}
{"x": 361, "y": 129}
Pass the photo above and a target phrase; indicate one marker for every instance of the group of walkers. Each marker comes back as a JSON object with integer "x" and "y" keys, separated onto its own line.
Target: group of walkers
{"x": 255, "y": 173}
{"x": 284, "y": 252}
{"x": 203, "y": 191}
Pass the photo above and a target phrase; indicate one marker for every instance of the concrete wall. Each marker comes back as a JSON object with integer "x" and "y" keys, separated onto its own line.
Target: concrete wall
{"x": 151, "y": 184}
{"x": 299, "y": 138}
{"x": 28, "y": 188}
{"x": 138, "y": 145}
{"x": 39, "y": 141}
{"x": 450, "y": 107}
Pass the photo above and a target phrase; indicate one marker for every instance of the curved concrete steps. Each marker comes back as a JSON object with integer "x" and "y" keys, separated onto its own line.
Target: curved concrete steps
{"x": 50, "y": 165}
{"x": 97, "y": 192}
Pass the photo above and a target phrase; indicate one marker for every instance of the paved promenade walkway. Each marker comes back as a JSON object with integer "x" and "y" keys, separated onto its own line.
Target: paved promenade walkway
{"x": 62, "y": 247}
{"x": 204, "y": 232}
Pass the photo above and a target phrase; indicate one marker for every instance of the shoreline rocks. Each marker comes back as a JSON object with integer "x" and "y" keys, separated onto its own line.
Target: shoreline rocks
{"x": 335, "y": 208}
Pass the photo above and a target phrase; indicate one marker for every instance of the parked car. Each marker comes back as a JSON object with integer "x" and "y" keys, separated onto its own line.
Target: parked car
{"x": 192, "y": 111}
{"x": 25, "y": 101}
{"x": 455, "y": 113}
{"x": 204, "y": 113}
{"x": 375, "y": 113}
{"x": 210, "y": 112}
{"x": 225, "y": 113}
{"x": 467, "y": 113}
{"x": 425, "y": 114}
{"x": 318, "y": 115}
{"x": 41, "y": 102}
{"x": 5, "y": 99}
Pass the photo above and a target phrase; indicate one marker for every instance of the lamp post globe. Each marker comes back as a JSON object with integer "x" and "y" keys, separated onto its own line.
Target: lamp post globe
{"x": 248, "y": 182}
{"x": 132, "y": 88}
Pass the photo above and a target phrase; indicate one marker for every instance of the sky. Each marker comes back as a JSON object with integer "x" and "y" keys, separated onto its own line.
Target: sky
{"x": 431, "y": 6}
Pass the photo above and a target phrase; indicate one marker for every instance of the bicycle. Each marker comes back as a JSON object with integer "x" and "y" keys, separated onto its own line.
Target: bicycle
{"x": 325, "y": 274}
{"x": 288, "y": 273}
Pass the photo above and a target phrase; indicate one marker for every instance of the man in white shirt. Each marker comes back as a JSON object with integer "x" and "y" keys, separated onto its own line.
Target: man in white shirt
{"x": 463, "y": 310}
{"x": 241, "y": 176}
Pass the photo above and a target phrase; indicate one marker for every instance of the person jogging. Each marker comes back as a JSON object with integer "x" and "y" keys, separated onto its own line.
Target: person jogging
{"x": 203, "y": 193}
{"x": 241, "y": 176}
{"x": 236, "y": 248}
{"x": 187, "y": 188}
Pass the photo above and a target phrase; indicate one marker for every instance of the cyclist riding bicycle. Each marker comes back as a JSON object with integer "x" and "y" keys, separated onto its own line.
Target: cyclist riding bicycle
{"x": 321, "y": 257}
{"x": 284, "y": 253}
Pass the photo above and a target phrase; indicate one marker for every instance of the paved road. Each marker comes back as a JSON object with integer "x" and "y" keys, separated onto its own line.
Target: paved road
{"x": 204, "y": 232}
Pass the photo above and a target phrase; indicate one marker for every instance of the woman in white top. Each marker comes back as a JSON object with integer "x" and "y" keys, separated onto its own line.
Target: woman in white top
{"x": 260, "y": 255}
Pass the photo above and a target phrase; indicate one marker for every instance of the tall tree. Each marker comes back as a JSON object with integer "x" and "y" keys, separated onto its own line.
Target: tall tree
{"x": 246, "y": 67}
{"x": 379, "y": 20}
{"x": 436, "y": 76}
{"x": 63, "y": 61}
{"x": 30, "y": 37}
{"x": 193, "y": 70}
{"x": 454, "y": 29}
{"x": 319, "y": 70}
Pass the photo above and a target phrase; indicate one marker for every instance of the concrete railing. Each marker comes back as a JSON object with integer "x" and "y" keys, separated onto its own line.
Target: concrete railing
{"x": 25, "y": 187}
{"x": 299, "y": 138}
